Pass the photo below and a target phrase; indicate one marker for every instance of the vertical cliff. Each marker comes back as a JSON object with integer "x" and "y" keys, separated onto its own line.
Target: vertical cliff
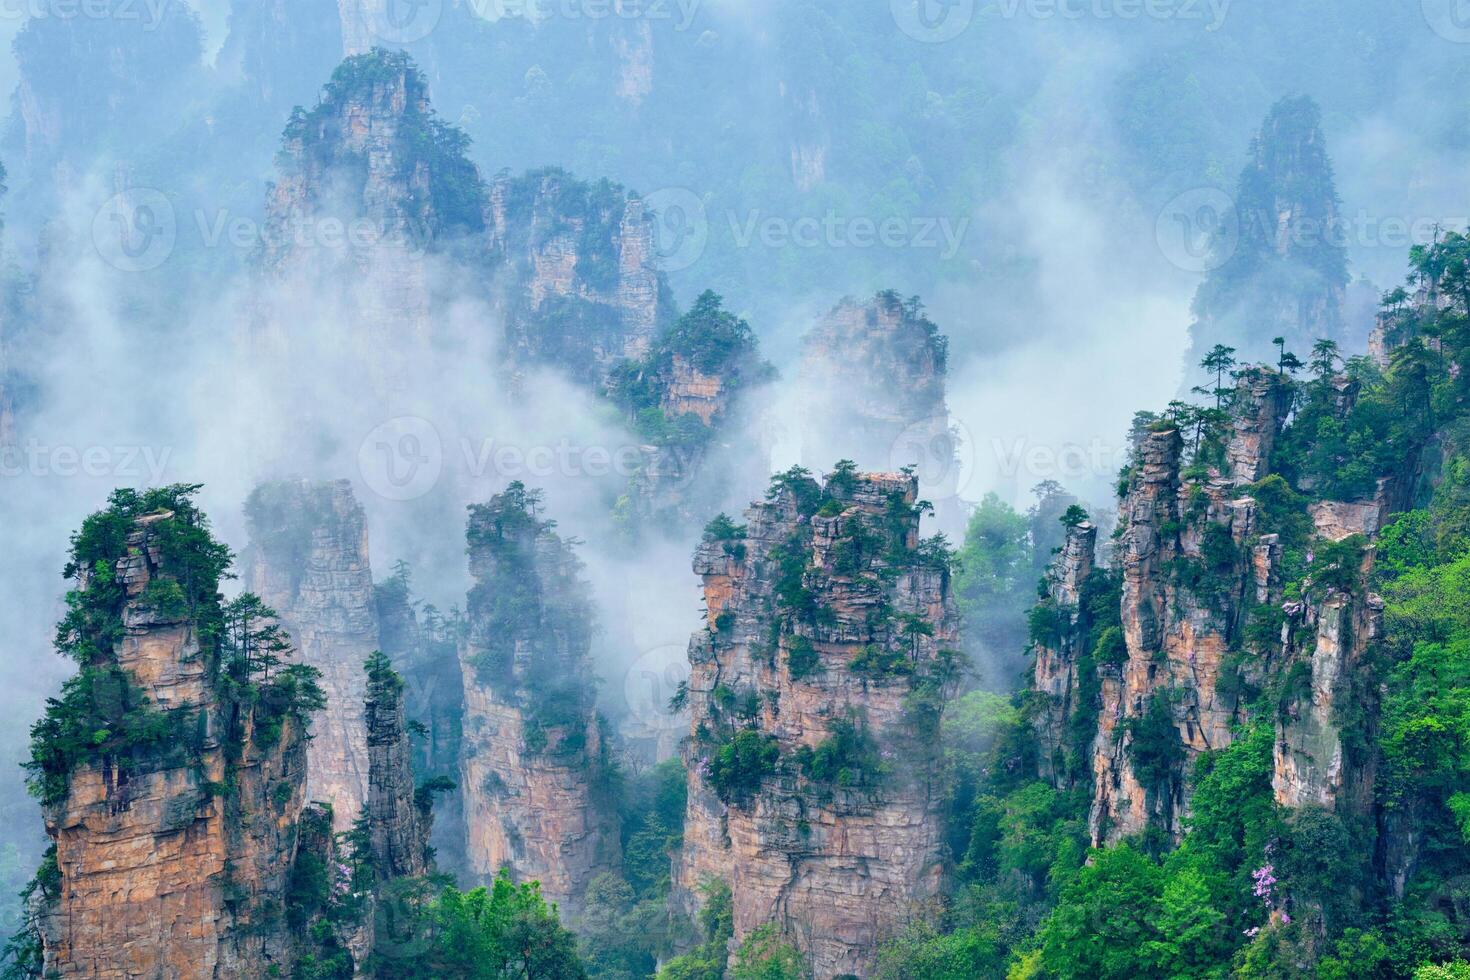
{"x": 371, "y": 183}
{"x": 399, "y": 819}
{"x": 534, "y": 768}
{"x": 1074, "y": 647}
{"x": 577, "y": 276}
{"x": 688, "y": 397}
{"x": 144, "y": 62}
{"x": 1231, "y": 588}
{"x": 815, "y": 697}
{"x": 308, "y": 559}
{"x": 424, "y": 646}
{"x": 172, "y": 768}
{"x": 1279, "y": 266}
{"x": 872, "y": 384}
{"x": 282, "y": 49}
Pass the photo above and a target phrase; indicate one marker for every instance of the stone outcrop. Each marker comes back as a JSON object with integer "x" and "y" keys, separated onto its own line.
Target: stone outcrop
{"x": 1056, "y": 671}
{"x": 1263, "y": 401}
{"x": 175, "y": 864}
{"x": 308, "y": 559}
{"x": 1278, "y": 268}
{"x": 424, "y": 648}
{"x": 399, "y": 822}
{"x": 1326, "y": 643}
{"x": 814, "y": 695}
{"x": 372, "y": 184}
{"x": 576, "y": 272}
{"x": 1202, "y": 591}
{"x": 872, "y": 385}
{"x": 534, "y": 766}
{"x": 369, "y": 182}
{"x": 282, "y": 49}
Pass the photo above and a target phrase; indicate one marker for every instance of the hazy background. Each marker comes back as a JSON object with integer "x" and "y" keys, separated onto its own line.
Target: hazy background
{"x": 1031, "y": 160}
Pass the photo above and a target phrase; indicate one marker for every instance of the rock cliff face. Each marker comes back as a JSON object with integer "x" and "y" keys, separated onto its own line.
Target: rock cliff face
{"x": 370, "y": 182}
{"x": 1203, "y": 555}
{"x": 424, "y": 646}
{"x": 372, "y": 185}
{"x": 872, "y": 383}
{"x": 533, "y": 765}
{"x": 577, "y": 278}
{"x": 308, "y": 560}
{"x": 282, "y": 49}
{"x": 1279, "y": 269}
{"x": 162, "y": 872}
{"x": 399, "y": 823}
{"x": 814, "y": 694}
{"x": 141, "y": 61}
{"x": 872, "y": 380}
{"x": 1059, "y": 672}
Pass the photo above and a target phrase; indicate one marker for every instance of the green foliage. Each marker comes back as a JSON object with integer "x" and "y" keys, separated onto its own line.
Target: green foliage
{"x": 994, "y": 578}
{"x": 736, "y": 768}
{"x": 506, "y": 930}
{"x": 717, "y": 927}
{"x": 1124, "y": 916}
{"x": 763, "y": 956}
{"x": 802, "y": 659}
{"x": 923, "y": 953}
{"x": 711, "y": 338}
{"x": 1154, "y": 746}
{"x": 849, "y": 758}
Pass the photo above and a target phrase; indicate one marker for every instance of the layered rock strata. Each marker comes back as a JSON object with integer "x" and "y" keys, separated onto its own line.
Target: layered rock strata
{"x": 814, "y": 788}
{"x": 308, "y": 559}
{"x": 533, "y": 766}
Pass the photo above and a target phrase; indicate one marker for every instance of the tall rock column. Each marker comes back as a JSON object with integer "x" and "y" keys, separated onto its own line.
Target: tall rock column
{"x": 398, "y": 825}
{"x": 1188, "y": 575}
{"x": 533, "y": 765}
{"x": 308, "y": 559}
{"x": 175, "y": 823}
{"x": 872, "y": 384}
{"x": 424, "y": 646}
{"x": 1278, "y": 266}
{"x": 1058, "y": 673}
{"x": 815, "y": 695}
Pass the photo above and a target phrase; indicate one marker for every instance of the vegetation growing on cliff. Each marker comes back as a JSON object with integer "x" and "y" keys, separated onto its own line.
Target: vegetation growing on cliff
{"x": 707, "y": 339}
{"x": 428, "y": 151}
{"x": 101, "y": 713}
{"x": 1254, "y": 888}
{"x": 530, "y": 616}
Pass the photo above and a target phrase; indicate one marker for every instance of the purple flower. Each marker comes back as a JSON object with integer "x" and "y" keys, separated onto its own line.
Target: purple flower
{"x": 1265, "y": 879}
